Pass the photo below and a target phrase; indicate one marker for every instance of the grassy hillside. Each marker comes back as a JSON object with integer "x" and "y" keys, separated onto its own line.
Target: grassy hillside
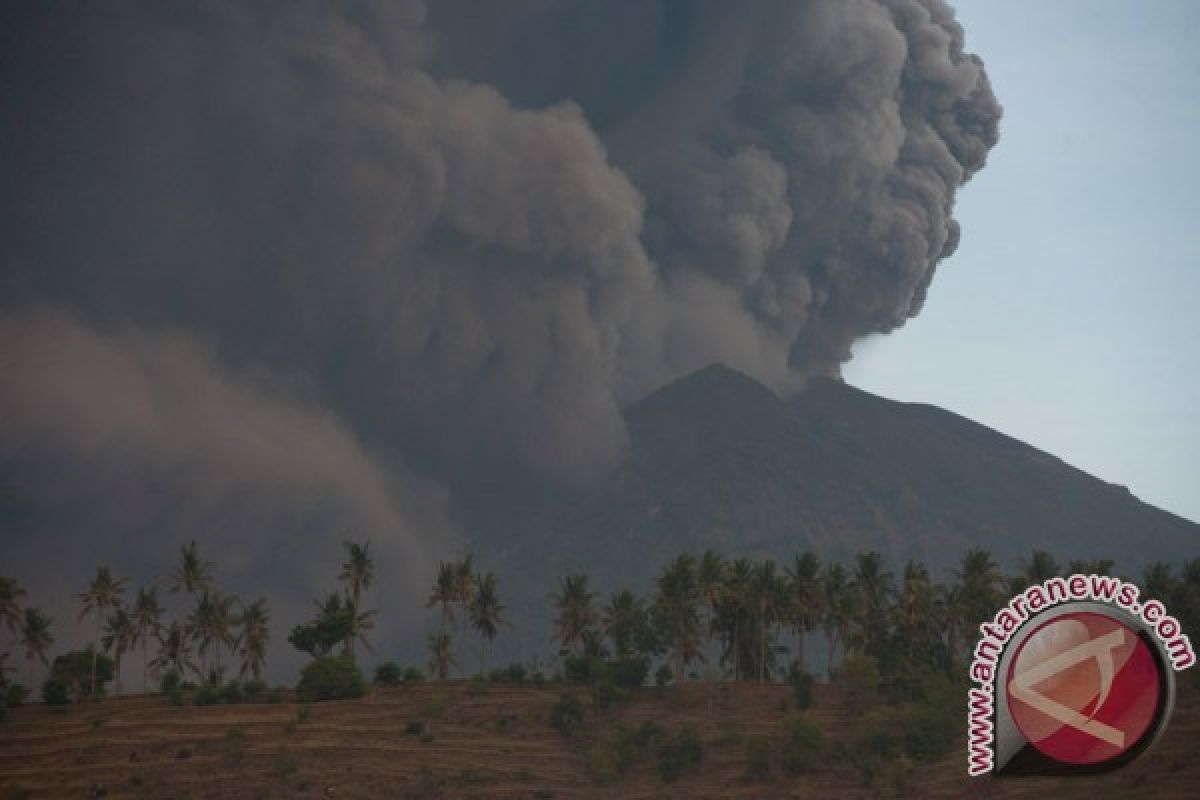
{"x": 458, "y": 740}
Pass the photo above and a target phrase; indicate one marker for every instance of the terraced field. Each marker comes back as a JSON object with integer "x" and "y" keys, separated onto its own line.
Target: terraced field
{"x": 494, "y": 743}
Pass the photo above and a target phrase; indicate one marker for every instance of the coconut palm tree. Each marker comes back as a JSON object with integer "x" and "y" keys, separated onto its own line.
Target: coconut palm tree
{"x": 625, "y": 623}
{"x": 486, "y": 614}
{"x": 175, "y": 651}
{"x": 444, "y": 594}
{"x": 194, "y": 574}
{"x": 120, "y": 631}
{"x": 836, "y": 610}
{"x": 147, "y": 620}
{"x": 11, "y": 594}
{"x": 358, "y": 573}
{"x": 735, "y": 595}
{"x": 710, "y": 573}
{"x": 210, "y": 625}
{"x": 676, "y": 613}
{"x": 576, "y": 614}
{"x": 874, "y": 588}
{"x": 36, "y": 637}
{"x": 104, "y": 594}
{"x": 464, "y": 590}
{"x": 766, "y": 601}
{"x": 803, "y": 599}
{"x": 252, "y": 636}
{"x": 441, "y": 657}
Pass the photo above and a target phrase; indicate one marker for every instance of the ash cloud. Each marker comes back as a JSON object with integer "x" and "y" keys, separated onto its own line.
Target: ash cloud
{"x": 463, "y": 235}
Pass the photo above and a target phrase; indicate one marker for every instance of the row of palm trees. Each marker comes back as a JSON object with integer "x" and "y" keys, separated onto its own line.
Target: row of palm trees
{"x": 208, "y": 620}
{"x": 471, "y": 598}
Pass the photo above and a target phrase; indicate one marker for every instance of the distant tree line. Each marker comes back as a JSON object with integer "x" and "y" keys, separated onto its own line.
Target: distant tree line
{"x": 706, "y": 617}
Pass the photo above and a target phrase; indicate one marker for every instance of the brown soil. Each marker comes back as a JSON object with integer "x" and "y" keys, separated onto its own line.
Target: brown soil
{"x": 491, "y": 744}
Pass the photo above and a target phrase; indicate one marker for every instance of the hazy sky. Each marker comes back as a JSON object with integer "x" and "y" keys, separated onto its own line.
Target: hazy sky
{"x": 1067, "y": 317}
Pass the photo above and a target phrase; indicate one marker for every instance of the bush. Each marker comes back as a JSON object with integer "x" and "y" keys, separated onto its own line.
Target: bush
{"x": 631, "y": 746}
{"x": 599, "y": 766}
{"x": 55, "y": 693}
{"x": 16, "y": 695}
{"x": 388, "y": 674}
{"x": 231, "y": 693}
{"x": 802, "y": 685}
{"x": 169, "y": 681}
{"x": 630, "y": 672}
{"x": 567, "y": 714}
{"x": 413, "y": 675}
{"x": 207, "y": 696}
{"x": 804, "y": 748}
{"x": 175, "y": 696}
{"x": 414, "y": 728}
{"x": 74, "y": 670}
{"x": 330, "y": 678}
{"x": 680, "y": 756}
{"x": 662, "y": 676}
{"x": 254, "y": 688}
{"x": 758, "y": 759}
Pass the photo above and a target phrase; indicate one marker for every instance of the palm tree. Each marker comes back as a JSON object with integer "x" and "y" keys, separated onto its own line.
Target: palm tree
{"x": 4, "y": 670}
{"x": 486, "y": 614}
{"x": 735, "y": 595}
{"x": 444, "y": 593}
{"x": 441, "y": 657}
{"x": 104, "y": 594}
{"x": 977, "y": 593}
{"x": 10, "y": 604}
{"x": 358, "y": 573}
{"x": 120, "y": 631}
{"x": 676, "y": 613}
{"x": 804, "y": 599}
{"x": 147, "y": 620}
{"x": 624, "y": 620}
{"x": 873, "y": 589}
{"x": 837, "y": 610}
{"x": 210, "y": 625}
{"x": 1157, "y": 580}
{"x": 35, "y": 637}
{"x": 464, "y": 590}
{"x": 576, "y": 614}
{"x": 764, "y": 589}
{"x": 710, "y": 575}
{"x": 1091, "y": 566}
{"x": 175, "y": 651}
{"x": 253, "y": 633}
{"x": 194, "y": 574}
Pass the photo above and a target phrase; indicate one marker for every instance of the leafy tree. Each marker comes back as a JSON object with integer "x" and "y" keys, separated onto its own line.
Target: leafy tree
{"x": 486, "y": 614}
{"x": 35, "y": 637}
{"x": 251, "y": 640}
{"x": 358, "y": 573}
{"x": 576, "y": 614}
{"x": 330, "y": 678}
{"x": 335, "y": 622}
{"x": 441, "y": 657}
{"x": 147, "y": 622}
{"x": 83, "y": 672}
{"x": 120, "y": 631}
{"x": 103, "y": 595}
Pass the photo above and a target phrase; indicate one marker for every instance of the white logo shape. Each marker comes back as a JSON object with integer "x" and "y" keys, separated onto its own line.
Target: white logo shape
{"x": 1101, "y": 649}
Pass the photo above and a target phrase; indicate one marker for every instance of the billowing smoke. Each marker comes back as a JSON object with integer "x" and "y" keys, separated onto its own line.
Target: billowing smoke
{"x": 266, "y": 264}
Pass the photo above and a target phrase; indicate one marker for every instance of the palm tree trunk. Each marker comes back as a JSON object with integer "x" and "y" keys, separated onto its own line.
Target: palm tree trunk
{"x": 829, "y": 656}
{"x": 95, "y": 651}
{"x": 145, "y": 667}
{"x": 117, "y": 667}
{"x": 800, "y": 650}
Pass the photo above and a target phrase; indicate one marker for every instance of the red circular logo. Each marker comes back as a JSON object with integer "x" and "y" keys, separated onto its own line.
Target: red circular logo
{"x": 1083, "y": 688}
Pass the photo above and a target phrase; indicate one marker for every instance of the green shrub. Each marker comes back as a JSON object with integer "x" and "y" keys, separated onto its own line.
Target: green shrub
{"x": 170, "y": 680}
{"x": 516, "y": 673}
{"x": 630, "y": 747}
{"x": 859, "y": 676}
{"x": 538, "y": 679}
{"x": 330, "y": 678}
{"x": 599, "y": 766}
{"x": 414, "y": 728}
{"x": 630, "y": 672}
{"x": 678, "y": 757}
{"x": 207, "y": 696}
{"x": 567, "y": 714}
{"x": 254, "y": 688}
{"x": 175, "y": 696}
{"x": 758, "y": 759}
{"x": 804, "y": 747}
{"x": 413, "y": 675}
{"x": 55, "y": 693}
{"x": 388, "y": 674}
{"x": 802, "y": 685}
{"x": 231, "y": 693}
{"x": 662, "y": 676}
{"x": 16, "y": 695}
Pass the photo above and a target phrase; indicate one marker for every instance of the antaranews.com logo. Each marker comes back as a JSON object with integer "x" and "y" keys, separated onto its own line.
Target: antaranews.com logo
{"x": 1075, "y": 675}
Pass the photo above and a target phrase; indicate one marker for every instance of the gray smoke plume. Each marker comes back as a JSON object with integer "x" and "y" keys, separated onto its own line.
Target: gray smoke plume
{"x": 299, "y": 254}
